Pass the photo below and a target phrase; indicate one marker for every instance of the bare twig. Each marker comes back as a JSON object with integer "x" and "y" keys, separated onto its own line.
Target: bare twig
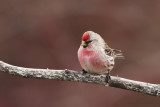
{"x": 70, "y": 75}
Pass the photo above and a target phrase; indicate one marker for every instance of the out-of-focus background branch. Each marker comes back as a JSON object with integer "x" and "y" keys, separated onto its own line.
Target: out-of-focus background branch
{"x": 46, "y": 34}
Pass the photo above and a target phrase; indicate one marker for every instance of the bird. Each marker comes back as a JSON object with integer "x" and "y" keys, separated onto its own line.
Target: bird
{"x": 95, "y": 56}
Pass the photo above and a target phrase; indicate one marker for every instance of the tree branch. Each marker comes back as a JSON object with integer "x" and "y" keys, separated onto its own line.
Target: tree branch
{"x": 70, "y": 75}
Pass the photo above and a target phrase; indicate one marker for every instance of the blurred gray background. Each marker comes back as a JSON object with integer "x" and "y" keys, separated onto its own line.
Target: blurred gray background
{"x": 47, "y": 34}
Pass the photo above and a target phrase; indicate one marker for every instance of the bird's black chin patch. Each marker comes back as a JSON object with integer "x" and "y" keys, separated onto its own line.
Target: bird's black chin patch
{"x": 85, "y": 46}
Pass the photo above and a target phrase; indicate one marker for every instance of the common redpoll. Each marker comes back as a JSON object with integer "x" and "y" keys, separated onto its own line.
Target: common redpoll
{"x": 95, "y": 56}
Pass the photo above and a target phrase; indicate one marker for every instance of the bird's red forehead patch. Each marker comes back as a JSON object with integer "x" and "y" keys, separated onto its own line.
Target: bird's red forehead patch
{"x": 85, "y": 37}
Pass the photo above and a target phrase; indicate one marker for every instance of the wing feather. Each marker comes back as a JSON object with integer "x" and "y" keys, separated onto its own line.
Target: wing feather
{"x": 113, "y": 52}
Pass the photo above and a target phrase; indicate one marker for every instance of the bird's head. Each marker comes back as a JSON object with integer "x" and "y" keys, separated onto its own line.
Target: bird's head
{"x": 93, "y": 39}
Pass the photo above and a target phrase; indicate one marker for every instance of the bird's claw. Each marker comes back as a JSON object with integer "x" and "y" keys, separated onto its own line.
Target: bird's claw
{"x": 108, "y": 77}
{"x": 84, "y": 71}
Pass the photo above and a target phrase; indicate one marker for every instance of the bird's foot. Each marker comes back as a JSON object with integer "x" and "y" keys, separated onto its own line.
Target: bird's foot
{"x": 108, "y": 77}
{"x": 84, "y": 71}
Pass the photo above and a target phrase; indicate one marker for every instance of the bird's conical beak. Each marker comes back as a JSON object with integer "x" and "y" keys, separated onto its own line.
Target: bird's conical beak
{"x": 83, "y": 43}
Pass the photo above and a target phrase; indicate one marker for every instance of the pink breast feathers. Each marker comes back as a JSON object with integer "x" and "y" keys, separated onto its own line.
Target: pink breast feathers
{"x": 98, "y": 62}
{"x": 91, "y": 59}
{"x": 84, "y": 56}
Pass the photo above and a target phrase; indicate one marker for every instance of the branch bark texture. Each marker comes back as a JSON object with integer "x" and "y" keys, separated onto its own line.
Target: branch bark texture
{"x": 76, "y": 76}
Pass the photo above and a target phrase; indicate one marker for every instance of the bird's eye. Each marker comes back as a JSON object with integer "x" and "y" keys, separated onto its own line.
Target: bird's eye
{"x": 87, "y": 42}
